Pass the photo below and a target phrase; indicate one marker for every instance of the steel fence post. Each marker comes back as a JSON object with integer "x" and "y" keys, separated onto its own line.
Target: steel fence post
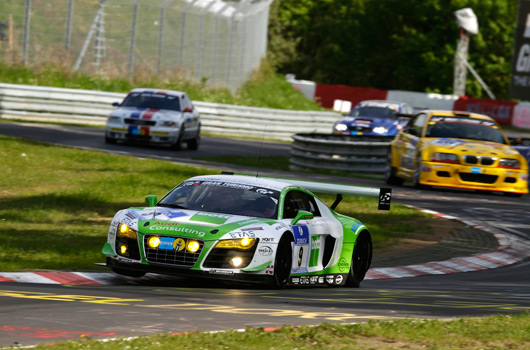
{"x": 26, "y": 32}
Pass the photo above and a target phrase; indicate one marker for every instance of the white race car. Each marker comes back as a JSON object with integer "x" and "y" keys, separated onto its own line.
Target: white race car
{"x": 156, "y": 117}
{"x": 245, "y": 228}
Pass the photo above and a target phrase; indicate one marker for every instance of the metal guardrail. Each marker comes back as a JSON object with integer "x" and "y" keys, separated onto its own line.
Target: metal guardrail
{"x": 40, "y": 103}
{"x": 359, "y": 154}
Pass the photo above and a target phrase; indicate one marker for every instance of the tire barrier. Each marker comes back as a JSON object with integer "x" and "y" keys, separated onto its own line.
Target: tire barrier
{"x": 349, "y": 153}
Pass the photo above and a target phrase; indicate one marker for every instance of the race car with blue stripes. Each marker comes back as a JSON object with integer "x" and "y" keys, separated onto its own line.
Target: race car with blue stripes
{"x": 374, "y": 118}
{"x": 155, "y": 117}
{"x": 245, "y": 228}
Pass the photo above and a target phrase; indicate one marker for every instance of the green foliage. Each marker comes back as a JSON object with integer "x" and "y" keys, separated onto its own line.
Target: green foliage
{"x": 391, "y": 44}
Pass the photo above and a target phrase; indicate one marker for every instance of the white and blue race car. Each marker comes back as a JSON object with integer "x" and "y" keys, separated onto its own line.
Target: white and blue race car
{"x": 374, "y": 118}
{"x": 245, "y": 228}
{"x": 155, "y": 117}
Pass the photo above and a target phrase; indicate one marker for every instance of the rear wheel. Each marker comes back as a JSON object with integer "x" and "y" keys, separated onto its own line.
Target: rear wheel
{"x": 360, "y": 261}
{"x": 282, "y": 263}
{"x": 390, "y": 172}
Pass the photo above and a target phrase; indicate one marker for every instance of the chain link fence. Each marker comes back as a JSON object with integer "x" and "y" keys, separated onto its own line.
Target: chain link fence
{"x": 212, "y": 41}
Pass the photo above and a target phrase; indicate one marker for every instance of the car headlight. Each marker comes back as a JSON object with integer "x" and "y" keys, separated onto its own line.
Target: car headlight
{"x": 509, "y": 163}
{"x": 240, "y": 243}
{"x": 114, "y": 119}
{"x": 380, "y": 130}
{"x": 341, "y": 127}
{"x": 126, "y": 232}
{"x": 169, "y": 123}
{"x": 440, "y": 157}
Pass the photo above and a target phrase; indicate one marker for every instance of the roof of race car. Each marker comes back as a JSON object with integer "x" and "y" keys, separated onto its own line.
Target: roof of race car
{"x": 279, "y": 184}
{"x": 381, "y": 103}
{"x": 158, "y": 91}
{"x": 457, "y": 114}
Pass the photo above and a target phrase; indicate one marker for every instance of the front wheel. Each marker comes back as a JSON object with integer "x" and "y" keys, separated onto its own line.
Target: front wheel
{"x": 282, "y": 263}
{"x": 178, "y": 144}
{"x": 194, "y": 143}
{"x": 360, "y": 261}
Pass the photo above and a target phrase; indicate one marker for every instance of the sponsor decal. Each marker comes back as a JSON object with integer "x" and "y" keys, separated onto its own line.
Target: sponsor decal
{"x": 269, "y": 270}
{"x": 356, "y": 226}
{"x": 179, "y": 244}
{"x": 315, "y": 251}
{"x": 318, "y": 279}
{"x": 343, "y": 265}
{"x": 174, "y": 227}
{"x": 339, "y": 279}
{"x": 221, "y": 272}
{"x": 267, "y": 239}
{"x": 242, "y": 234}
{"x": 265, "y": 250}
{"x": 330, "y": 279}
{"x": 252, "y": 229}
{"x": 211, "y": 218}
{"x": 166, "y": 243}
{"x": 446, "y": 142}
{"x": 385, "y": 197}
{"x": 301, "y": 234}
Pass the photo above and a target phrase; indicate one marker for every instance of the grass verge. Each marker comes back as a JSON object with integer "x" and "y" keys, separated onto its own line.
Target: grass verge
{"x": 56, "y": 203}
{"x": 495, "y": 332}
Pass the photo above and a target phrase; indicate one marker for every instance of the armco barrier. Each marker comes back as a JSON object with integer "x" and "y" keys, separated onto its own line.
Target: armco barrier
{"x": 358, "y": 154}
{"x": 39, "y": 103}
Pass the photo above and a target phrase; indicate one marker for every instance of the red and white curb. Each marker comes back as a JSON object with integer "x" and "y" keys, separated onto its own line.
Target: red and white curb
{"x": 511, "y": 249}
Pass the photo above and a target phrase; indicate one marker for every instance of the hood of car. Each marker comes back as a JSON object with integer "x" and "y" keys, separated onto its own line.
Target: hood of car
{"x": 145, "y": 113}
{"x": 484, "y": 148}
{"x": 191, "y": 223}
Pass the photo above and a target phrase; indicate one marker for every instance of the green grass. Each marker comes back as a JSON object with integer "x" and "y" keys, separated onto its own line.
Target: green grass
{"x": 56, "y": 203}
{"x": 495, "y": 332}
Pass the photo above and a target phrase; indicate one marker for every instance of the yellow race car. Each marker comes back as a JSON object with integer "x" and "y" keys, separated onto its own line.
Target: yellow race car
{"x": 459, "y": 150}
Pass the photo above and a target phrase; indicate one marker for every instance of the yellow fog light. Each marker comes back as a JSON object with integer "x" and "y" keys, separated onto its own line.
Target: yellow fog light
{"x": 153, "y": 241}
{"x": 123, "y": 249}
{"x": 192, "y": 246}
{"x": 240, "y": 243}
{"x": 236, "y": 262}
{"x": 126, "y": 231}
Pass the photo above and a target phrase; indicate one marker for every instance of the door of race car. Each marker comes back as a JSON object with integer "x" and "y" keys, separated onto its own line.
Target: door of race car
{"x": 309, "y": 235}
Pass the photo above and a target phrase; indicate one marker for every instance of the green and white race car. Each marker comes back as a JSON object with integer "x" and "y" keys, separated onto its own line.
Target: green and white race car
{"x": 244, "y": 228}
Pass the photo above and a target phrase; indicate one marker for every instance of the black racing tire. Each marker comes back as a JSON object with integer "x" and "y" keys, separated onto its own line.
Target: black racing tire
{"x": 110, "y": 140}
{"x": 360, "y": 261}
{"x": 128, "y": 273}
{"x": 283, "y": 262}
{"x": 390, "y": 172}
{"x": 178, "y": 144}
{"x": 194, "y": 143}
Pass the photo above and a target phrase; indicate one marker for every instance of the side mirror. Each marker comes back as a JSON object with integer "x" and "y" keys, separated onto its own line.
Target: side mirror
{"x": 151, "y": 199}
{"x": 115, "y": 104}
{"x": 187, "y": 110}
{"x": 302, "y": 215}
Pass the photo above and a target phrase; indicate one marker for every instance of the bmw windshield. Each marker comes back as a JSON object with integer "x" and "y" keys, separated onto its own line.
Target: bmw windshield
{"x": 373, "y": 112}
{"x": 152, "y": 100}
{"x": 224, "y": 197}
{"x": 464, "y": 128}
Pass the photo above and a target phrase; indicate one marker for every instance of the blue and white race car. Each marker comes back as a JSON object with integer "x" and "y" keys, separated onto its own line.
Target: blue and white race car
{"x": 374, "y": 117}
{"x": 156, "y": 117}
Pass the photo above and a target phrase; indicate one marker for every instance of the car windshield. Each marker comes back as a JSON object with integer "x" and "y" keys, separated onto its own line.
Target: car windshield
{"x": 373, "y": 112}
{"x": 152, "y": 100}
{"x": 464, "y": 128}
{"x": 224, "y": 197}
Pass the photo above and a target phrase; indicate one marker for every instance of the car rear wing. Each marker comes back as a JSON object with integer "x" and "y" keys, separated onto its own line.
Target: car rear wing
{"x": 384, "y": 194}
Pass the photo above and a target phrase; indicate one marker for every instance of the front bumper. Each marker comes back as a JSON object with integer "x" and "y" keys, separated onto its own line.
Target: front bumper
{"x": 187, "y": 272}
{"x": 146, "y": 134}
{"x": 474, "y": 177}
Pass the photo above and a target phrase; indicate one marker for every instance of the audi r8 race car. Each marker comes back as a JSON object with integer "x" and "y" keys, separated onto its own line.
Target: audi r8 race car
{"x": 157, "y": 117}
{"x": 459, "y": 150}
{"x": 244, "y": 228}
{"x": 374, "y": 117}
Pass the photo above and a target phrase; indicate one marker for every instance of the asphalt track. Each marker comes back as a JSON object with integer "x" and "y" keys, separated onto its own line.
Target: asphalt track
{"x": 32, "y": 313}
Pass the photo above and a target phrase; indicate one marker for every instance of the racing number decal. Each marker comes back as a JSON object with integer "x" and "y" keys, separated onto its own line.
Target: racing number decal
{"x": 301, "y": 248}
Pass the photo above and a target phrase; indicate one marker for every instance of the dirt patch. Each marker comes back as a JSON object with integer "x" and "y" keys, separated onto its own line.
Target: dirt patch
{"x": 436, "y": 227}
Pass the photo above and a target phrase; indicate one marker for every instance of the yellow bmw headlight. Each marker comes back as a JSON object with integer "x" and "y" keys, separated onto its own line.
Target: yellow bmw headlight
{"x": 240, "y": 243}
{"x": 126, "y": 231}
